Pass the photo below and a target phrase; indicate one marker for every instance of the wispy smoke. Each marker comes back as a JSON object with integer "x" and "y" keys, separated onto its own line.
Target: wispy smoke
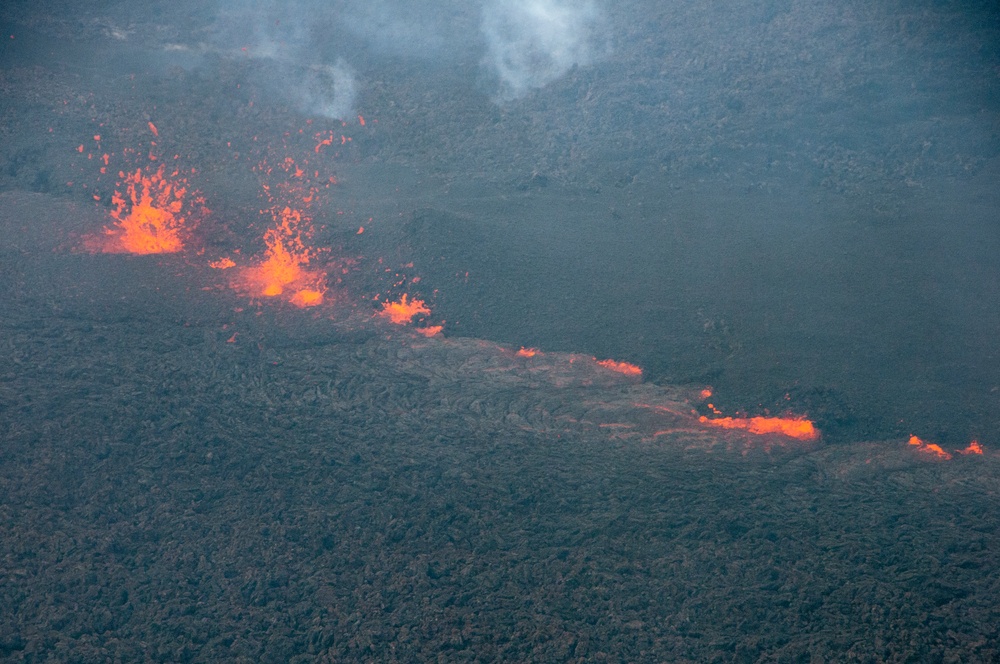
{"x": 327, "y": 90}
{"x": 302, "y": 49}
{"x": 286, "y": 42}
{"x": 533, "y": 42}
{"x": 409, "y": 28}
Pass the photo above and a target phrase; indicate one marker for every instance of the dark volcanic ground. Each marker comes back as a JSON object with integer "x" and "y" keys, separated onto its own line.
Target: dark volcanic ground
{"x": 797, "y": 208}
{"x": 352, "y": 491}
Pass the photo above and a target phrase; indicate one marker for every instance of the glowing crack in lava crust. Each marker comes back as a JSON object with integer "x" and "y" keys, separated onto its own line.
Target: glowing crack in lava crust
{"x": 149, "y": 217}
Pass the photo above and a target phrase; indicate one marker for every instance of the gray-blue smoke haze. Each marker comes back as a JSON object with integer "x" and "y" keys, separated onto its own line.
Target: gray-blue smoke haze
{"x": 524, "y": 44}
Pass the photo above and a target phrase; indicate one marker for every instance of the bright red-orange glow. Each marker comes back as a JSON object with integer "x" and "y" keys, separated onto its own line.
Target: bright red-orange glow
{"x": 148, "y": 217}
{"x": 973, "y": 448}
{"x": 283, "y": 268}
{"x": 705, "y": 393}
{"x": 929, "y": 448}
{"x": 799, "y": 428}
{"x": 621, "y": 367}
{"x": 527, "y": 352}
{"x": 404, "y": 311}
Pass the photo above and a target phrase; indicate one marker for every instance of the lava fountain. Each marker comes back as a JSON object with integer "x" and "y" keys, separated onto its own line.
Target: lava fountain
{"x": 149, "y": 217}
{"x": 284, "y": 271}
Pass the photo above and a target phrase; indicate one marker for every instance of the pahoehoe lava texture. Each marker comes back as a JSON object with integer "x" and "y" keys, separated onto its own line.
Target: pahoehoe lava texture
{"x": 352, "y": 491}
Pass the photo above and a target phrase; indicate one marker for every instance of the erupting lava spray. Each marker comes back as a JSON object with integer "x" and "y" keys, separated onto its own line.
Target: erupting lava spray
{"x": 153, "y": 209}
{"x": 153, "y": 216}
{"x": 149, "y": 220}
{"x": 284, "y": 270}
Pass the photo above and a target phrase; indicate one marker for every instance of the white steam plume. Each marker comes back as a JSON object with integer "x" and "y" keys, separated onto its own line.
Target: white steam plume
{"x": 327, "y": 90}
{"x": 282, "y": 38}
{"x": 533, "y": 42}
{"x": 301, "y": 47}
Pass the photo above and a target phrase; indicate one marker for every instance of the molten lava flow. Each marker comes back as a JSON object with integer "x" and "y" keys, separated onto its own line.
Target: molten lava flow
{"x": 148, "y": 217}
{"x": 799, "y": 428}
{"x": 404, "y": 311}
{"x": 621, "y": 367}
{"x": 929, "y": 448}
{"x": 527, "y": 352}
{"x": 283, "y": 268}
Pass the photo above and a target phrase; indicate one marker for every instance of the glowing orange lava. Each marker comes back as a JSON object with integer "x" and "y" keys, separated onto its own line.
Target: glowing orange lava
{"x": 404, "y": 311}
{"x": 283, "y": 272}
{"x": 148, "y": 217}
{"x": 793, "y": 427}
{"x": 621, "y": 367}
{"x": 973, "y": 448}
{"x": 929, "y": 448}
{"x": 283, "y": 268}
{"x": 527, "y": 352}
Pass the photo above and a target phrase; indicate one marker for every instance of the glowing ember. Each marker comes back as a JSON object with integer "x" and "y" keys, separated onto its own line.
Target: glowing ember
{"x": 148, "y": 217}
{"x": 404, "y": 311}
{"x": 929, "y": 448}
{"x": 799, "y": 428}
{"x": 222, "y": 264}
{"x": 283, "y": 268}
{"x": 621, "y": 367}
{"x": 527, "y": 352}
